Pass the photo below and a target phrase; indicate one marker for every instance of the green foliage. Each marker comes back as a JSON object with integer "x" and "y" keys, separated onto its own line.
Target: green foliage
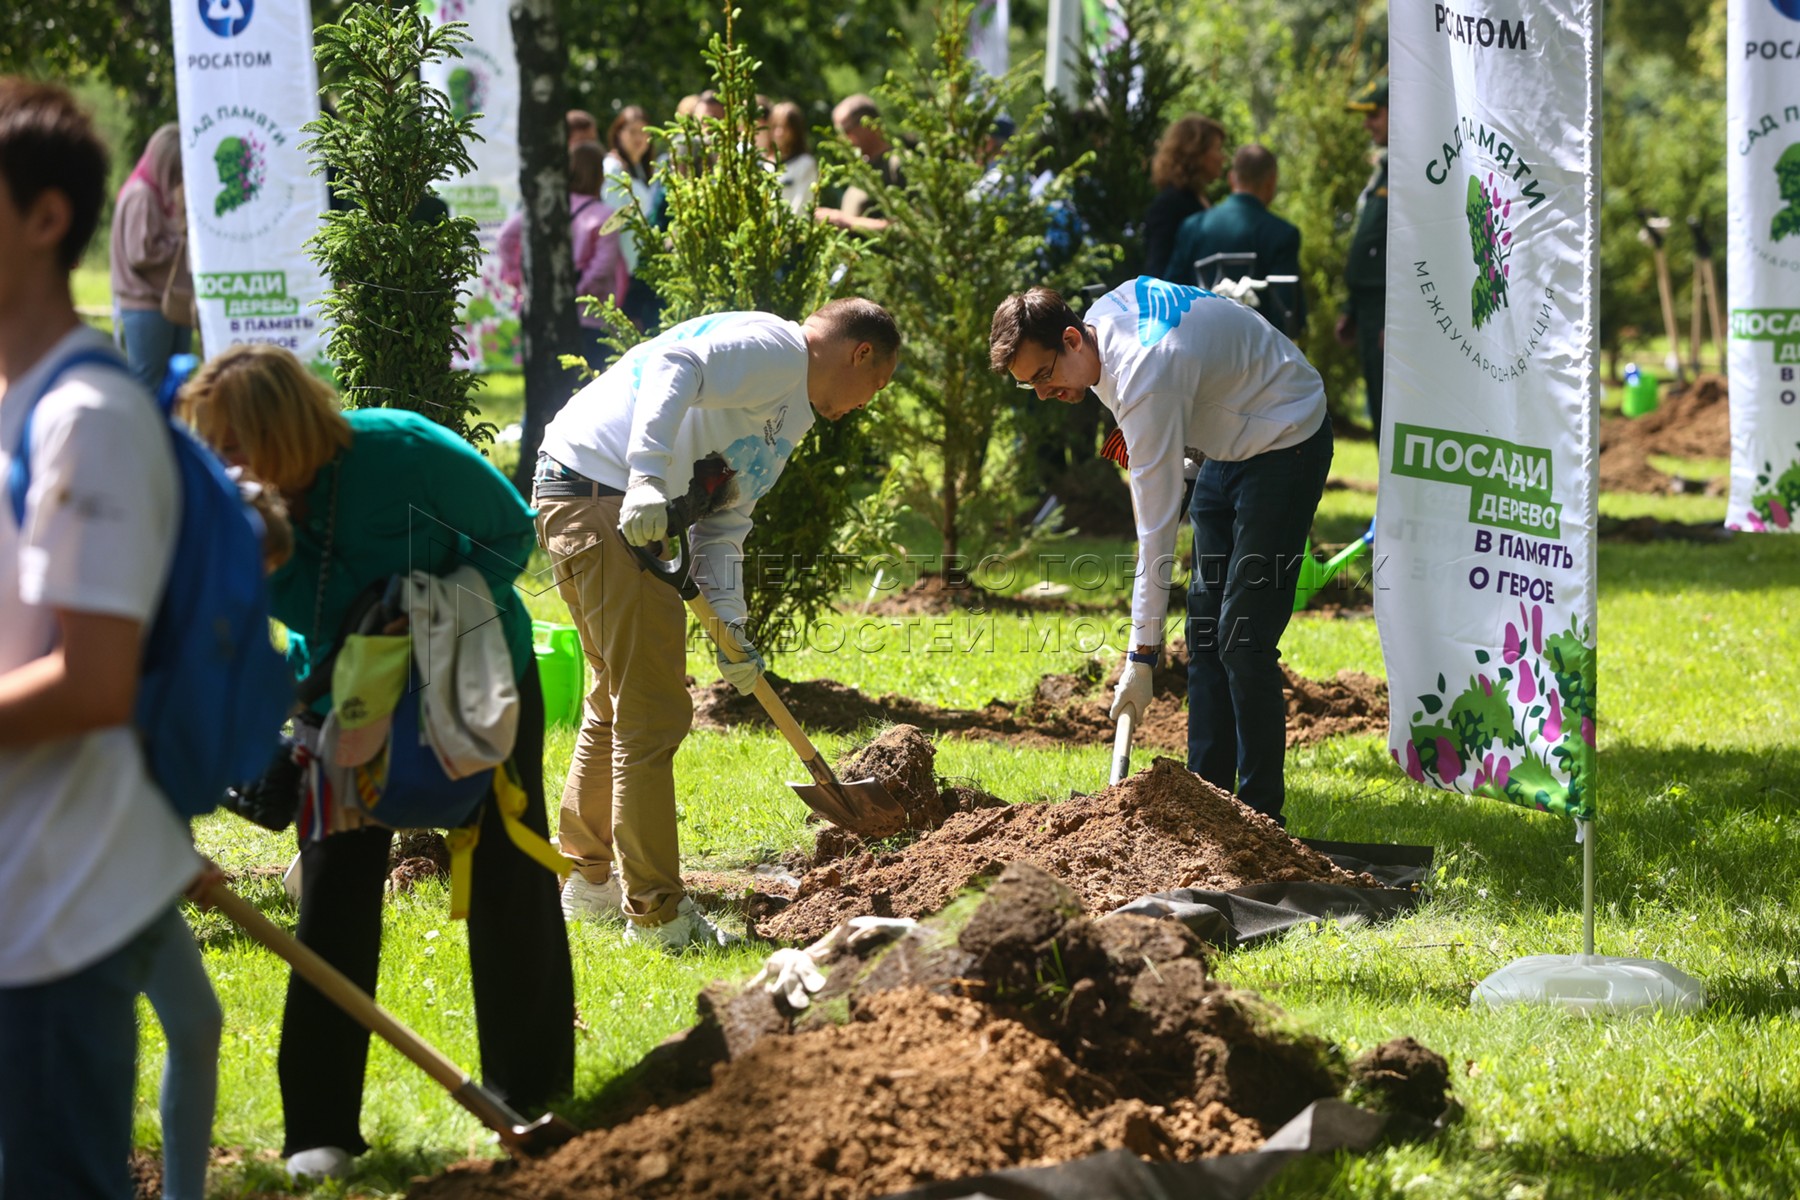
{"x": 1123, "y": 97}
{"x": 642, "y": 51}
{"x": 126, "y": 43}
{"x": 734, "y": 244}
{"x": 396, "y": 281}
{"x": 963, "y": 232}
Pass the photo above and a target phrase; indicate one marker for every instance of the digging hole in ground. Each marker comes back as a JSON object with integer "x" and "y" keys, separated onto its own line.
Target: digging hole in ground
{"x": 1011, "y": 1032}
{"x": 1063, "y": 709}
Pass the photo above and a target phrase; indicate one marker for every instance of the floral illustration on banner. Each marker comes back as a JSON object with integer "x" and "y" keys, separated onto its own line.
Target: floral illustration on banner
{"x": 1787, "y": 178}
{"x": 1490, "y": 242}
{"x": 1521, "y": 730}
{"x": 491, "y": 322}
{"x": 468, "y": 92}
{"x": 446, "y": 11}
{"x": 1776, "y": 499}
{"x": 243, "y": 165}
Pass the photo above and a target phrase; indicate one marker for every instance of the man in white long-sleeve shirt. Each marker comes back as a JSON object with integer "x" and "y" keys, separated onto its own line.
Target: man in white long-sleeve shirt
{"x": 1191, "y": 374}
{"x": 713, "y": 406}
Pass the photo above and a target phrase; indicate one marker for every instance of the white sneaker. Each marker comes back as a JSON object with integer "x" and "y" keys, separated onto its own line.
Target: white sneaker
{"x": 582, "y": 900}
{"x": 321, "y": 1162}
{"x": 689, "y": 928}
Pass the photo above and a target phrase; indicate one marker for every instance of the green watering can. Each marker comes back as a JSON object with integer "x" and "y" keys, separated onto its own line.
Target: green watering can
{"x": 1314, "y": 575}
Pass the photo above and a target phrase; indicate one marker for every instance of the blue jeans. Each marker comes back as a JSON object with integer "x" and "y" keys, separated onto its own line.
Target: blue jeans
{"x": 192, "y": 1022}
{"x": 68, "y": 1069}
{"x": 150, "y": 339}
{"x": 1250, "y": 521}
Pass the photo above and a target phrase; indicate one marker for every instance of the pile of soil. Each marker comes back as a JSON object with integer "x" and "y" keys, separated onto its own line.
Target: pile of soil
{"x": 414, "y": 856}
{"x": 1690, "y": 422}
{"x": 1160, "y": 829}
{"x": 1031, "y": 1036}
{"x": 1064, "y": 709}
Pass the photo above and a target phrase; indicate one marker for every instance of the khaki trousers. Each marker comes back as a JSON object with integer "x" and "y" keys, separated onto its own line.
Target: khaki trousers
{"x": 619, "y": 801}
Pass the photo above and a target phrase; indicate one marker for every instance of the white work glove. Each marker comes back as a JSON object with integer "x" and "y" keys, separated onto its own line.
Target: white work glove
{"x": 741, "y": 675}
{"x": 1242, "y": 290}
{"x": 644, "y": 513}
{"x": 1133, "y": 692}
{"x": 792, "y": 975}
{"x": 872, "y": 931}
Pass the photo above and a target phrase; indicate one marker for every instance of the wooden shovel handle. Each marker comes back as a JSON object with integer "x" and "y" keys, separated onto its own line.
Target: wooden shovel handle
{"x": 336, "y": 987}
{"x": 778, "y": 712}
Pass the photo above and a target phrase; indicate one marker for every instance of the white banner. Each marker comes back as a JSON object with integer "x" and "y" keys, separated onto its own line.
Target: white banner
{"x": 484, "y": 84}
{"x": 1484, "y": 585}
{"x": 989, "y": 23}
{"x": 245, "y": 84}
{"x": 1762, "y": 126}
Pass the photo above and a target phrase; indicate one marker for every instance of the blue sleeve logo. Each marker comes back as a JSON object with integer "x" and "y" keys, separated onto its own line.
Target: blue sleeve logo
{"x": 1161, "y": 306}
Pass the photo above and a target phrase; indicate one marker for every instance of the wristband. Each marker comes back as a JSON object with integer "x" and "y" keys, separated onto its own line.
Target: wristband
{"x": 1148, "y": 659}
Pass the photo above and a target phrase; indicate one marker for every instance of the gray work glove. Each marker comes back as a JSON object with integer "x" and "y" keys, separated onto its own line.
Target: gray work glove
{"x": 741, "y": 675}
{"x": 644, "y": 513}
{"x": 792, "y": 975}
{"x": 1133, "y": 691}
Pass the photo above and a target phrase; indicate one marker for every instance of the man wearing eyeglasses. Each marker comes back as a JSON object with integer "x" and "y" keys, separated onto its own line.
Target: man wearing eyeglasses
{"x": 1189, "y": 374}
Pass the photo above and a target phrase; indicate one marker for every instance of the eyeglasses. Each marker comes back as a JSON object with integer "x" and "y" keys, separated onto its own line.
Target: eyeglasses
{"x": 1040, "y": 378}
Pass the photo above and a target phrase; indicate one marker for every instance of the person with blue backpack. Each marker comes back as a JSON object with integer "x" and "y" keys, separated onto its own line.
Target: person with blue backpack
{"x": 93, "y": 855}
{"x": 374, "y": 494}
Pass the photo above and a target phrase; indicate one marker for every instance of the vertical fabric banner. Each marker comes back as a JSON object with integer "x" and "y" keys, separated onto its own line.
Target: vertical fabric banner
{"x": 245, "y": 84}
{"x": 989, "y": 23}
{"x": 1762, "y": 126}
{"x": 484, "y": 84}
{"x": 1484, "y": 585}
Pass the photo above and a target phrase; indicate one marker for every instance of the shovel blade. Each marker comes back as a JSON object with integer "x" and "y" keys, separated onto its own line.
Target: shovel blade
{"x": 541, "y": 1136}
{"x": 862, "y": 806}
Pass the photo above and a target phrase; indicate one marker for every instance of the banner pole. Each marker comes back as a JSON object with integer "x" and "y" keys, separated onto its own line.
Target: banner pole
{"x": 1585, "y": 832}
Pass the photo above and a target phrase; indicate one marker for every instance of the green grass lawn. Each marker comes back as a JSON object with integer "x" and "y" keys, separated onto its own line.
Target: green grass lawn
{"x": 1698, "y": 858}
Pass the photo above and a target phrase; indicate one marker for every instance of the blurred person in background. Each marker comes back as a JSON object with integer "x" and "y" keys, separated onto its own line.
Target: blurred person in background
{"x": 149, "y": 239}
{"x": 1190, "y": 156}
{"x": 799, "y": 169}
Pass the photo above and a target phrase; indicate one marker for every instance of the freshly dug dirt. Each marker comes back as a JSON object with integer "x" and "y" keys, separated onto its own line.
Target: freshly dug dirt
{"x": 935, "y": 595}
{"x": 981, "y": 1055}
{"x": 416, "y": 855}
{"x": 1402, "y": 1076}
{"x": 1691, "y": 423}
{"x": 1163, "y": 828}
{"x": 1063, "y": 710}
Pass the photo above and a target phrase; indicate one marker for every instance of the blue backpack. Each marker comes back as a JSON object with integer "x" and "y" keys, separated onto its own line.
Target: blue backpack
{"x": 213, "y": 691}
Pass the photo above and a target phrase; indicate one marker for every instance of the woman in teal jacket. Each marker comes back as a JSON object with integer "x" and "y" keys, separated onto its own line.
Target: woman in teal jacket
{"x": 374, "y": 493}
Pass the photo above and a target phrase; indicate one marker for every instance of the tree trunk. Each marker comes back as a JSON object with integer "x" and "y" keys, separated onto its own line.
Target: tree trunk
{"x": 950, "y": 514}
{"x": 548, "y": 326}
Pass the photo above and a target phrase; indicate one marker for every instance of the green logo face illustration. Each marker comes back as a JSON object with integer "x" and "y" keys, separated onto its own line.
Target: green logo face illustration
{"x": 1490, "y": 244}
{"x": 468, "y": 93}
{"x": 1787, "y": 177}
{"x": 242, "y": 166}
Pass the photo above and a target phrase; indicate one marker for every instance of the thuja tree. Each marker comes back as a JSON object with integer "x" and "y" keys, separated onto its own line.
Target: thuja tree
{"x": 397, "y": 270}
{"x": 733, "y": 243}
{"x": 964, "y": 231}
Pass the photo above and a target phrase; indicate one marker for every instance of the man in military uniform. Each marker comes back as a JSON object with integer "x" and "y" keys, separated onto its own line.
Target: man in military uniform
{"x": 1364, "y": 317}
{"x": 1242, "y": 224}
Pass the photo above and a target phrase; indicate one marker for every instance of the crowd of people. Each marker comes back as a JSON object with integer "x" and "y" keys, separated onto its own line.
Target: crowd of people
{"x": 363, "y": 513}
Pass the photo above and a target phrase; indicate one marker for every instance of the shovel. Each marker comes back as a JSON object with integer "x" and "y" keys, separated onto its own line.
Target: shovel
{"x": 524, "y": 1139}
{"x": 1121, "y": 760}
{"x": 861, "y": 806}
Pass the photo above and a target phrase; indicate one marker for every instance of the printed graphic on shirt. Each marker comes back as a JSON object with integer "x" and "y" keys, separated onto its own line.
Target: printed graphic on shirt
{"x": 1161, "y": 306}
{"x": 757, "y": 463}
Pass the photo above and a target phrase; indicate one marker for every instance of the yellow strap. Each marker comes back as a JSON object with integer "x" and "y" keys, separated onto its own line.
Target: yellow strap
{"x": 462, "y": 843}
{"x": 512, "y": 807}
